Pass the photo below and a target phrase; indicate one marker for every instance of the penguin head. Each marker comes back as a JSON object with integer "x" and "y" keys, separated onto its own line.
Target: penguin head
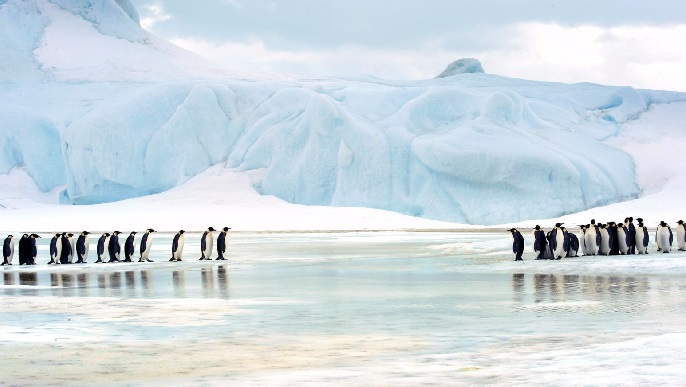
{"x": 85, "y": 233}
{"x": 211, "y": 229}
{"x": 512, "y": 230}
{"x": 181, "y": 231}
{"x": 10, "y": 236}
{"x": 58, "y": 235}
{"x": 663, "y": 223}
{"x": 150, "y": 230}
{"x": 592, "y": 221}
{"x": 35, "y": 236}
{"x": 537, "y": 227}
{"x": 106, "y": 234}
{"x": 640, "y": 220}
{"x": 70, "y": 235}
{"x": 226, "y": 228}
{"x": 133, "y": 233}
{"x": 116, "y": 233}
{"x": 558, "y": 224}
{"x": 680, "y": 222}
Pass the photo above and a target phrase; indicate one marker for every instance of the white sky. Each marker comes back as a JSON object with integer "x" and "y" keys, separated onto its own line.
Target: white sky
{"x": 616, "y": 42}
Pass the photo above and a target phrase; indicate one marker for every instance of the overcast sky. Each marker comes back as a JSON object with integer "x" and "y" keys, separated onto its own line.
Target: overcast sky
{"x": 640, "y": 43}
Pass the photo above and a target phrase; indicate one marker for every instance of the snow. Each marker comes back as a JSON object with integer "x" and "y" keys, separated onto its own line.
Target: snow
{"x": 97, "y": 110}
{"x": 462, "y": 66}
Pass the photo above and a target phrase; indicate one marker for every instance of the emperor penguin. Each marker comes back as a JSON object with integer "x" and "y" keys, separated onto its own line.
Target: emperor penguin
{"x": 103, "y": 243}
{"x": 539, "y": 242}
{"x": 221, "y": 244}
{"x": 34, "y": 249}
{"x": 623, "y": 239}
{"x": 642, "y": 237}
{"x": 633, "y": 238}
{"x": 8, "y": 250}
{"x": 65, "y": 253}
{"x": 114, "y": 248}
{"x": 558, "y": 241}
{"x": 72, "y": 246}
{"x": 146, "y": 244}
{"x": 612, "y": 230}
{"x": 206, "y": 243}
{"x": 592, "y": 238}
{"x": 681, "y": 235}
{"x": 55, "y": 249}
{"x": 664, "y": 237}
{"x": 604, "y": 240}
{"x": 82, "y": 247}
{"x": 517, "y": 244}
{"x": 582, "y": 239}
{"x": 24, "y": 247}
{"x": 177, "y": 246}
{"x": 130, "y": 246}
{"x": 573, "y": 245}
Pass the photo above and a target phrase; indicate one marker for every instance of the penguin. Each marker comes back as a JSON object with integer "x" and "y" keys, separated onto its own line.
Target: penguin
{"x": 55, "y": 249}
{"x": 629, "y": 223}
{"x": 573, "y": 246}
{"x": 82, "y": 247}
{"x": 664, "y": 237}
{"x": 540, "y": 242}
{"x": 557, "y": 241}
{"x": 643, "y": 237}
{"x": 582, "y": 239}
{"x": 517, "y": 244}
{"x": 24, "y": 247}
{"x": 146, "y": 244}
{"x": 613, "y": 230}
{"x": 72, "y": 244}
{"x": 33, "y": 250}
{"x": 549, "y": 246}
{"x": 65, "y": 253}
{"x": 130, "y": 246}
{"x": 103, "y": 242}
{"x": 604, "y": 240}
{"x": 592, "y": 238}
{"x": 8, "y": 250}
{"x": 177, "y": 246}
{"x": 206, "y": 244}
{"x": 623, "y": 239}
{"x": 681, "y": 235}
{"x": 221, "y": 244}
{"x": 113, "y": 248}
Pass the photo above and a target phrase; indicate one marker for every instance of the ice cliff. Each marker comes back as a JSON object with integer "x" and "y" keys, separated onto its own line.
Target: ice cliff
{"x": 114, "y": 119}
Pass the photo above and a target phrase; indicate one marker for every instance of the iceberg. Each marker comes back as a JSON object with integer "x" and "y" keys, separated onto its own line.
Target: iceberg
{"x": 136, "y": 116}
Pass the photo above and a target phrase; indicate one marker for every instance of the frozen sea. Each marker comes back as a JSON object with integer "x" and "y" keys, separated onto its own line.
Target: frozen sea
{"x": 347, "y": 308}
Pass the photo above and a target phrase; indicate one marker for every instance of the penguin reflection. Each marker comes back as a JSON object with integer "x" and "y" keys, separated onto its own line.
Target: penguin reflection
{"x": 223, "y": 281}
{"x": 179, "y": 281}
{"x": 207, "y": 275}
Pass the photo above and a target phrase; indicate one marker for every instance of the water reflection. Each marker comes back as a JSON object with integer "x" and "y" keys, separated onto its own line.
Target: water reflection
{"x": 208, "y": 282}
{"x": 625, "y": 294}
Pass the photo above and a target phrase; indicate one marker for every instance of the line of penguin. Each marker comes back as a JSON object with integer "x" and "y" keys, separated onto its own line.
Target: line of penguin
{"x": 63, "y": 247}
{"x": 598, "y": 239}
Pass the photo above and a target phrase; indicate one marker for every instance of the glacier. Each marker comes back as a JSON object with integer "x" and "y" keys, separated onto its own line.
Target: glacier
{"x": 101, "y": 110}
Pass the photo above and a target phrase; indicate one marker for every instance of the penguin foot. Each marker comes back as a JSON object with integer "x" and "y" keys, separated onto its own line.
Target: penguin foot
{"x": 49, "y": 263}
{"x": 172, "y": 259}
{"x": 149, "y": 260}
{"x": 178, "y": 259}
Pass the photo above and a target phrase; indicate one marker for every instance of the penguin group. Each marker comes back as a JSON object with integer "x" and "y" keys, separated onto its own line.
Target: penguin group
{"x": 609, "y": 238}
{"x": 63, "y": 247}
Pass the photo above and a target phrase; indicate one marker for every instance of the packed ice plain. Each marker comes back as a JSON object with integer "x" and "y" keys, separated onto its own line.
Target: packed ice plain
{"x": 97, "y": 110}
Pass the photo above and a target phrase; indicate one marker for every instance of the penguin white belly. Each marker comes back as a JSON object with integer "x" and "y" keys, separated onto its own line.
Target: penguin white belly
{"x": 73, "y": 249}
{"x": 105, "y": 252}
{"x": 179, "y": 248}
{"x": 148, "y": 244}
{"x": 560, "y": 240}
{"x": 58, "y": 245}
{"x": 663, "y": 238}
{"x": 639, "y": 241}
{"x": 591, "y": 246}
{"x": 604, "y": 242}
{"x": 87, "y": 248}
{"x": 623, "y": 247}
{"x": 209, "y": 244}
{"x": 582, "y": 242}
{"x": 9, "y": 259}
{"x": 680, "y": 235}
{"x": 533, "y": 242}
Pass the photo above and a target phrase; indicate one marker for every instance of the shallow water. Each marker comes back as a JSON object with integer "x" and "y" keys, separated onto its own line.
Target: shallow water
{"x": 386, "y": 308}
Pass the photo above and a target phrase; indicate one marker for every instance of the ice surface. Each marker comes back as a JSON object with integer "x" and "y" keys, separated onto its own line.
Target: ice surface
{"x": 392, "y": 308}
{"x": 120, "y": 114}
{"x": 462, "y": 66}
